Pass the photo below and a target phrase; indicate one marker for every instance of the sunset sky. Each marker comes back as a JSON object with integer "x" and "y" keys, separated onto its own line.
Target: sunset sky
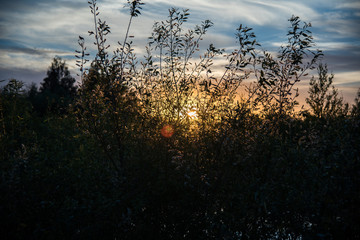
{"x": 33, "y": 32}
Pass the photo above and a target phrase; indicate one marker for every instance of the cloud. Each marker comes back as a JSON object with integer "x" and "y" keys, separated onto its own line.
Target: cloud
{"x": 17, "y": 60}
{"x": 57, "y": 23}
{"x": 13, "y": 47}
{"x": 342, "y": 23}
{"x": 257, "y": 12}
{"x": 25, "y": 75}
{"x": 348, "y": 84}
{"x": 349, "y": 5}
{"x": 33, "y": 32}
{"x": 346, "y": 79}
{"x": 22, "y": 59}
{"x": 20, "y": 5}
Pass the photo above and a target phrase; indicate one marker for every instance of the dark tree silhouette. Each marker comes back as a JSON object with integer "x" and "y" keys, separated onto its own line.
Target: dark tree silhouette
{"x": 58, "y": 80}
{"x": 57, "y": 90}
{"x": 324, "y": 99}
{"x": 356, "y": 107}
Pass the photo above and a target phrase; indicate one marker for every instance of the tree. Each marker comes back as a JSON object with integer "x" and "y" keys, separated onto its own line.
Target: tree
{"x": 58, "y": 79}
{"x": 277, "y": 76}
{"x": 356, "y": 107}
{"x": 14, "y": 111}
{"x": 106, "y": 106}
{"x": 324, "y": 99}
{"x": 57, "y": 90}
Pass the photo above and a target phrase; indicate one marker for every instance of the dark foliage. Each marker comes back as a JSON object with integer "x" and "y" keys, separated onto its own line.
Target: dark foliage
{"x": 57, "y": 90}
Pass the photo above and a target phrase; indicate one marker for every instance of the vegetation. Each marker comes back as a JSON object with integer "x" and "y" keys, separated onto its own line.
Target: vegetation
{"x": 166, "y": 149}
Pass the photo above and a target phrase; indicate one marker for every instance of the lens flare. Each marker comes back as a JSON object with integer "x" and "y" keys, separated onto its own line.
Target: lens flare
{"x": 167, "y": 131}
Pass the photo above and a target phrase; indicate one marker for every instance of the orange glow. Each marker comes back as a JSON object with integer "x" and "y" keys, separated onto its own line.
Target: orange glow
{"x": 167, "y": 131}
{"x": 192, "y": 114}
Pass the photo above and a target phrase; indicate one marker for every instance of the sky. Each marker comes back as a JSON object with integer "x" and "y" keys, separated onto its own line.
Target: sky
{"x": 32, "y": 33}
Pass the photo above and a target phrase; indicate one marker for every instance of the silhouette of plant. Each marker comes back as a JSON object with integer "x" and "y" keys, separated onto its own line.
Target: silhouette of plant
{"x": 356, "y": 107}
{"x": 323, "y": 102}
{"x": 167, "y": 149}
{"x": 277, "y": 75}
{"x": 57, "y": 90}
{"x": 106, "y": 107}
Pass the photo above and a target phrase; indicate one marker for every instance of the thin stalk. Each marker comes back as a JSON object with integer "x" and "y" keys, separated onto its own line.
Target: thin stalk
{"x": 123, "y": 48}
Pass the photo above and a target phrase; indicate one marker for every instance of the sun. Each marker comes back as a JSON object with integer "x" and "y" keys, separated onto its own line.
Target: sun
{"x": 192, "y": 114}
